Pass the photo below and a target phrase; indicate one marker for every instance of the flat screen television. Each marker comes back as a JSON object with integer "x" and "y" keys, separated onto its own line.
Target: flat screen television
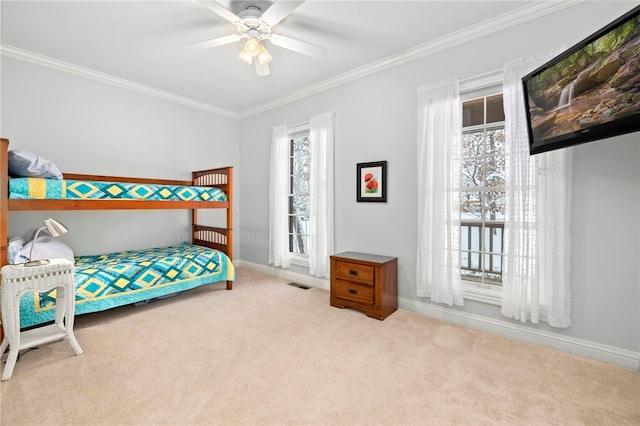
{"x": 589, "y": 92}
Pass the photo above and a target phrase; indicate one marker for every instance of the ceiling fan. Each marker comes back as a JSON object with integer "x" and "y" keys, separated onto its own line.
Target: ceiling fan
{"x": 256, "y": 26}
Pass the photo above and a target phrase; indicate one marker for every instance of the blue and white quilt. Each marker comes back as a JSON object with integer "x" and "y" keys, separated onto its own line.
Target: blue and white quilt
{"x": 116, "y": 279}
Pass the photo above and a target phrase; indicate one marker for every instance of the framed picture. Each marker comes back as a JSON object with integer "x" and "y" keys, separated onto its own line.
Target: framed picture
{"x": 372, "y": 181}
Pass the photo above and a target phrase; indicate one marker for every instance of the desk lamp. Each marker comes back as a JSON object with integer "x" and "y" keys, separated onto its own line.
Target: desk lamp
{"x": 56, "y": 229}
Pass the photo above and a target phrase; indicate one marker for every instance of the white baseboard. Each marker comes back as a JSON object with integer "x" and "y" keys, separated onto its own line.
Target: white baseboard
{"x": 610, "y": 354}
{"x": 322, "y": 283}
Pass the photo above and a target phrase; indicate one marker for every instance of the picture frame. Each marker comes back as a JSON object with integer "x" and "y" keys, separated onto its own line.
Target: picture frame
{"x": 371, "y": 181}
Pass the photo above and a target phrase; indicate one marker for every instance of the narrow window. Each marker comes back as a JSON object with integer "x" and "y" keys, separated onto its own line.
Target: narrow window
{"x": 299, "y": 167}
{"x": 482, "y": 197}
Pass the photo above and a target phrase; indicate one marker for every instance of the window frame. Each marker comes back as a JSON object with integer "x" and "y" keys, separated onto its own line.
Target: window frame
{"x": 471, "y": 88}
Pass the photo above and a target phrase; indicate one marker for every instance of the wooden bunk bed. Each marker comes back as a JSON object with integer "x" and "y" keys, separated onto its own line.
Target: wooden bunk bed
{"x": 216, "y": 238}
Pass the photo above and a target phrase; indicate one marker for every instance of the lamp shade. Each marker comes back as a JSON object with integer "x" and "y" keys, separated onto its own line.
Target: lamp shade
{"x": 55, "y": 227}
{"x": 245, "y": 56}
{"x": 263, "y": 56}
{"x": 252, "y": 46}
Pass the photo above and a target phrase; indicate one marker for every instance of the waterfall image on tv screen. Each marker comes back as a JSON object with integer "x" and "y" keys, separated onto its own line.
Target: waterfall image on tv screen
{"x": 590, "y": 92}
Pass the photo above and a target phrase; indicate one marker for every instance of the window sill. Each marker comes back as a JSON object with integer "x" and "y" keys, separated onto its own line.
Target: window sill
{"x": 478, "y": 293}
{"x": 298, "y": 260}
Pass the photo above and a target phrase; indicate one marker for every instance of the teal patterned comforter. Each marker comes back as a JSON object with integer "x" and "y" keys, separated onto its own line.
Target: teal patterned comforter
{"x": 39, "y": 188}
{"x": 116, "y": 279}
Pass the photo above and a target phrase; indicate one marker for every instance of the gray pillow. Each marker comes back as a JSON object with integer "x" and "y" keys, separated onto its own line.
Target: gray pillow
{"x": 27, "y": 164}
{"x": 47, "y": 247}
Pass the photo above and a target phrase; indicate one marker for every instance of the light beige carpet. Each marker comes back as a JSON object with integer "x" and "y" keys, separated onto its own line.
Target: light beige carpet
{"x": 269, "y": 353}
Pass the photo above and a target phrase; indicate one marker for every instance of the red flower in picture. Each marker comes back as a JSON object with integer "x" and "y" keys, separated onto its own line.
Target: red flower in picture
{"x": 371, "y": 186}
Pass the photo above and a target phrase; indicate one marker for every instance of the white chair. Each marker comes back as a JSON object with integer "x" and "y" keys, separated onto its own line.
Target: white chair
{"x": 18, "y": 279}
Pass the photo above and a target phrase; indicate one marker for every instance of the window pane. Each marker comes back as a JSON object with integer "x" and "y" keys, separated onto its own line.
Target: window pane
{"x": 493, "y": 278}
{"x": 495, "y": 110}
{"x": 494, "y": 205}
{"x": 472, "y": 144}
{"x": 475, "y": 260}
{"x": 475, "y": 240}
{"x": 300, "y": 167}
{"x": 470, "y": 205}
{"x": 298, "y": 243}
{"x": 473, "y": 171}
{"x": 495, "y": 141}
{"x": 465, "y": 237}
{"x": 493, "y": 238}
{"x": 301, "y": 146}
{"x": 299, "y": 205}
{"x": 299, "y": 185}
{"x": 495, "y": 172}
{"x": 299, "y": 225}
{"x": 471, "y": 275}
{"x": 473, "y": 112}
{"x": 497, "y": 263}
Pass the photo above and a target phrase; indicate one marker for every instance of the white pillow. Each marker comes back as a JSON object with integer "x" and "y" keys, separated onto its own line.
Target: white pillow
{"x": 47, "y": 247}
{"x": 13, "y": 251}
{"x": 27, "y": 164}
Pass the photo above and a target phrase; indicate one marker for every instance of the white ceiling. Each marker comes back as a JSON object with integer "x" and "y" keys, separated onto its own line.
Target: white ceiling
{"x": 144, "y": 42}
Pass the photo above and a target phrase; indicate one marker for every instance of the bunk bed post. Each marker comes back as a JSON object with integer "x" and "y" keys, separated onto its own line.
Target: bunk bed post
{"x": 230, "y": 211}
{"x": 230, "y": 219}
{"x": 4, "y": 199}
{"x": 4, "y": 207}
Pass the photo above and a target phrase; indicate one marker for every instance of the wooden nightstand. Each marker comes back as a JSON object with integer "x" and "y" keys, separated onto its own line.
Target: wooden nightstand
{"x": 366, "y": 282}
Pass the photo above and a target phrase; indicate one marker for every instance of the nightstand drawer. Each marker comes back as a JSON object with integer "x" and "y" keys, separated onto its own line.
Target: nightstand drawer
{"x": 354, "y": 292}
{"x": 354, "y": 272}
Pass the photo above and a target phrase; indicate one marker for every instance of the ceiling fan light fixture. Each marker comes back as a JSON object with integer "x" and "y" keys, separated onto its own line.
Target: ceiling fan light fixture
{"x": 246, "y": 56}
{"x": 263, "y": 55}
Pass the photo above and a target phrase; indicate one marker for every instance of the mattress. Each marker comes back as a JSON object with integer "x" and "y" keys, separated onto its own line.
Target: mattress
{"x": 116, "y": 279}
{"x": 69, "y": 189}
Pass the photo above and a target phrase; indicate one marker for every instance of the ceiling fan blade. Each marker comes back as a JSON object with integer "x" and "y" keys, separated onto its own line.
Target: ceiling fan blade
{"x": 219, "y": 41}
{"x": 261, "y": 69}
{"x": 298, "y": 46}
{"x": 279, "y": 10}
{"x": 216, "y": 7}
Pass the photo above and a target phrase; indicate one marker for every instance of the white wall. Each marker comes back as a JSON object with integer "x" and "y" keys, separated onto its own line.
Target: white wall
{"x": 376, "y": 120}
{"x": 86, "y": 126}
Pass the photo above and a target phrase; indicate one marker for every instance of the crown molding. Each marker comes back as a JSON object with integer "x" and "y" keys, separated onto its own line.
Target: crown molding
{"x": 499, "y": 23}
{"x": 482, "y": 29}
{"x": 45, "y": 61}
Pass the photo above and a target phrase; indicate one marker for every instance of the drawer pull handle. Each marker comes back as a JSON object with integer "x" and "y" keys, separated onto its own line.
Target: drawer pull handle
{"x": 353, "y": 291}
{"x": 353, "y": 272}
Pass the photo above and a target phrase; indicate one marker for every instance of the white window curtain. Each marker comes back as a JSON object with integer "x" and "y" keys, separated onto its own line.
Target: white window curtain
{"x": 537, "y": 216}
{"x": 321, "y": 192}
{"x": 278, "y": 197}
{"x": 439, "y": 149}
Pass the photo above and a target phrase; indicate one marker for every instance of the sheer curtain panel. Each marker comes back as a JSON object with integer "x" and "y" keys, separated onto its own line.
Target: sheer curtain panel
{"x": 278, "y": 197}
{"x": 439, "y": 150}
{"x": 537, "y": 216}
{"x": 321, "y": 192}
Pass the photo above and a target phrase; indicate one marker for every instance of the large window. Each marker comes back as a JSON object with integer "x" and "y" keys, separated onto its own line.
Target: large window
{"x": 482, "y": 198}
{"x": 299, "y": 169}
